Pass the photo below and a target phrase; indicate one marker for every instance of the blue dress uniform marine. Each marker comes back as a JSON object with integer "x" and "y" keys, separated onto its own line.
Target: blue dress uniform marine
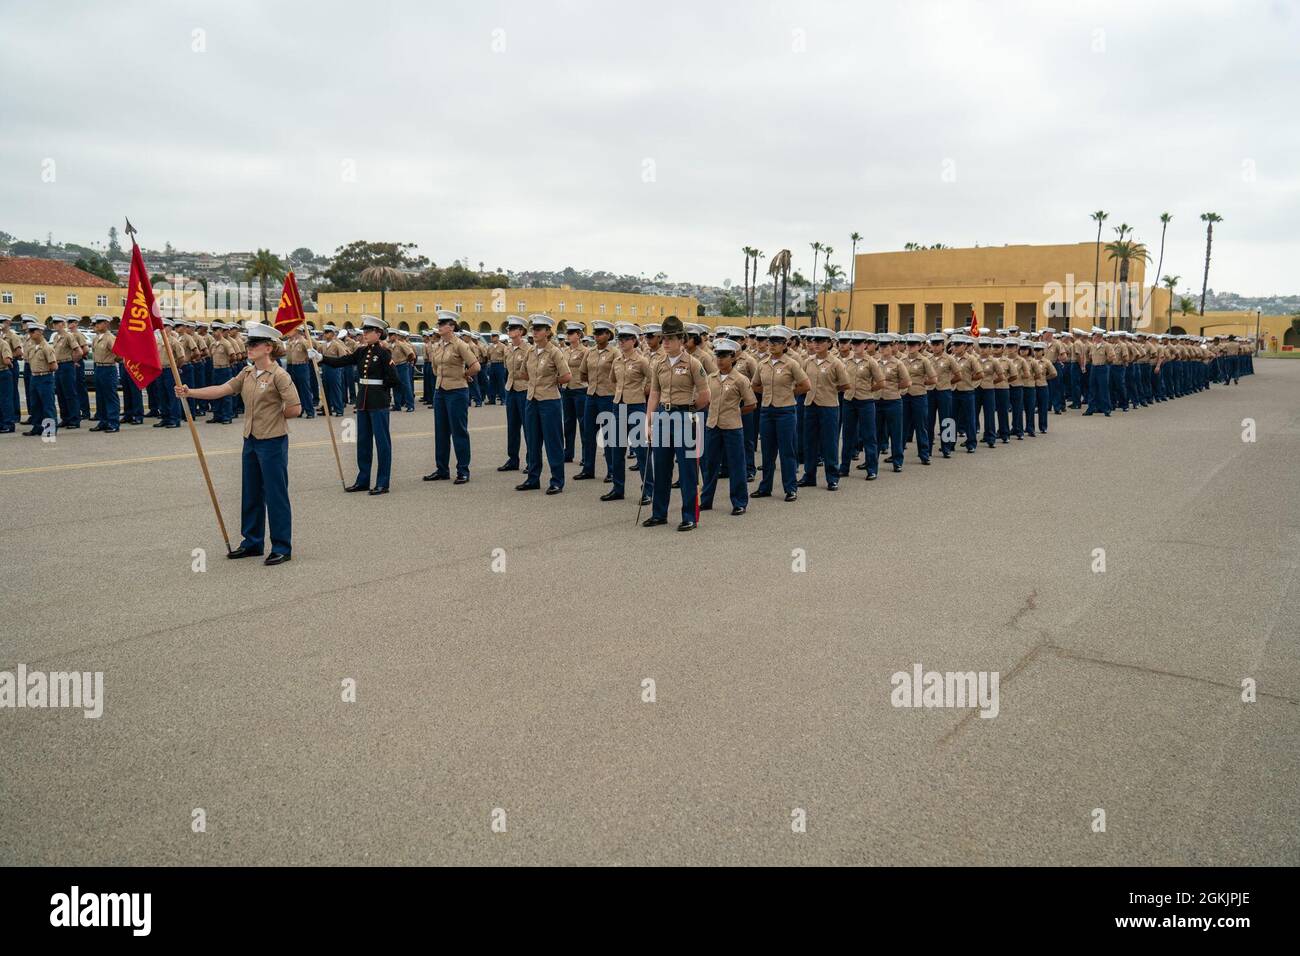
{"x": 781, "y": 379}
{"x": 546, "y": 371}
{"x": 455, "y": 363}
{"x": 731, "y": 395}
{"x": 39, "y": 358}
{"x": 375, "y": 376}
{"x": 678, "y": 392}
{"x": 270, "y": 397}
{"x": 516, "y": 389}
{"x": 106, "y": 400}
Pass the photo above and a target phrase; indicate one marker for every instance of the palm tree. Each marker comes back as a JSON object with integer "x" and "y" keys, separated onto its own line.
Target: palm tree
{"x": 753, "y": 305}
{"x": 1098, "y": 217}
{"x": 749, "y": 252}
{"x": 1122, "y": 230}
{"x": 1123, "y": 252}
{"x": 853, "y": 271}
{"x": 816, "y": 248}
{"x": 1170, "y": 283}
{"x": 826, "y": 264}
{"x": 1209, "y": 218}
{"x": 385, "y": 277}
{"x": 831, "y": 274}
{"x": 1164, "y": 224}
{"x": 780, "y": 265}
{"x": 1186, "y": 304}
{"x": 265, "y": 266}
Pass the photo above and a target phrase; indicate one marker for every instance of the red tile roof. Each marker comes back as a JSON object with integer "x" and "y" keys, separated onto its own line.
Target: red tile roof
{"x": 51, "y": 272}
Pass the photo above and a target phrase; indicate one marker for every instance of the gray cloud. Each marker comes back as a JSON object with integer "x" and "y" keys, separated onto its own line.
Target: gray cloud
{"x": 534, "y": 155}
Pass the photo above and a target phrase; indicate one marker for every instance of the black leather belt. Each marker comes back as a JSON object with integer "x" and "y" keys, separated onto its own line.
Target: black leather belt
{"x": 679, "y": 408}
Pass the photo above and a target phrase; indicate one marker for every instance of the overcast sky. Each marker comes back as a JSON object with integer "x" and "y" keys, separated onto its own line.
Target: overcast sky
{"x": 657, "y": 136}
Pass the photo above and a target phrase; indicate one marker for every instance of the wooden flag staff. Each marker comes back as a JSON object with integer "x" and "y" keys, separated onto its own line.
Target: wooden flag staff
{"x": 325, "y": 404}
{"x": 185, "y": 406}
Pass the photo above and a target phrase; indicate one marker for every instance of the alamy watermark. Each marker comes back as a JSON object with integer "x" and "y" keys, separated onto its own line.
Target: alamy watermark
{"x": 82, "y": 690}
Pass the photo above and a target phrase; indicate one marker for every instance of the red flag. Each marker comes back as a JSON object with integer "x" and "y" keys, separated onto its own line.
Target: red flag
{"x": 974, "y": 324}
{"x": 289, "y": 315}
{"x": 135, "y": 341}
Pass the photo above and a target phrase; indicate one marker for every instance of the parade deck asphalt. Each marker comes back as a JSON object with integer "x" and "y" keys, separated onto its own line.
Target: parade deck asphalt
{"x": 522, "y": 690}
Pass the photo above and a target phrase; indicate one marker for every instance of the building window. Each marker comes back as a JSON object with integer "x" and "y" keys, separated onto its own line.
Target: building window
{"x": 633, "y": 310}
{"x": 618, "y": 310}
{"x": 578, "y": 307}
{"x": 478, "y": 306}
{"x": 419, "y": 307}
{"x": 101, "y": 301}
{"x": 40, "y": 298}
{"x": 521, "y": 305}
{"x": 882, "y": 318}
{"x": 561, "y": 308}
{"x": 345, "y": 308}
{"x": 401, "y": 308}
{"x": 329, "y": 307}
{"x": 602, "y": 308}
{"x": 72, "y": 298}
{"x": 123, "y": 302}
{"x": 459, "y": 307}
{"x": 437, "y": 307}
{"x": 6, "y": 297}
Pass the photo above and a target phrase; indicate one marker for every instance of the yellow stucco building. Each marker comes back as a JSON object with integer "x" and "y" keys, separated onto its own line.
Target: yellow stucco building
{"x": 484, "y": 310}
{"x": 45, "y": 287}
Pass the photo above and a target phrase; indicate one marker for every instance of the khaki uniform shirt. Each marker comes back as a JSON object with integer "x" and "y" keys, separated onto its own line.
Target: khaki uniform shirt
{"x": 103, "y": 349}
{"x": 777, "y": 379}
{"x": 919, "y": 368}
{"x": 727, "y": 396}
{"x": 266, "y": 395}
{"x": 1003, "y": 365}
{"x": 576, "y": 356}
{"x": 40, "y": 356}
{"x": 631, "y": 378}
{"x": 746, "y": 363}
{"x": 827, "y": 375}
{"x": 945, "y": 366}
{"x": 678, "y": 382}
{"x": 965, "y": 368}
{"x": 450, "y": 360}
{"x": 866, "y": 374}
{"x": 6, "y": 353}
{"x": 64, "y": 343}
{"x": 1099, "y": 354}
{"x": 296, "y": 351}
{"x": 515, "y": 355}
{"x": 897, "y": 379}
{"x": 334, "y": 348}
{"x": 988, "y": 369}
{"x": 544, "y": 367}
{"x": 706, "y": 360}
{"x": 221, "y": 349}
{"x": 599, "y": 370}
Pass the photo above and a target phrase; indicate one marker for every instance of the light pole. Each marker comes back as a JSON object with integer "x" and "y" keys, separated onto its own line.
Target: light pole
{"x": 1255, "y": 345}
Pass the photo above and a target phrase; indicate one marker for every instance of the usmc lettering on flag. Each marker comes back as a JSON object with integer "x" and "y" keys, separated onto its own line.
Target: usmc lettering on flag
{"x": 135, "y": 334}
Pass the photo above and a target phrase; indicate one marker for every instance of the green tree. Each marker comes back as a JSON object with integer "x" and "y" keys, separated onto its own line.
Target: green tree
{"x": 816, "y": 248}
{"x": 1123, "y": 253}
{"x": 114, "y": 247}
{"x": 730, "y": 307}
{"x": 780, "y": 266}
{"x": 853, "y": 271}
{"x": 1170, "y": 283}
{"x": 344, "y": 272}
{"x": 383, "y": 278}
{"x": 302, "y": 254}
{"x": 265, "y": 267}
{"x": 1209, "y": 218}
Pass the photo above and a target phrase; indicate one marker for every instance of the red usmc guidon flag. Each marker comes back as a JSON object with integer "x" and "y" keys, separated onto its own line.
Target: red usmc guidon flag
{"x": 974, "y": 324}
{"x": 135, "y": 341}
{"x": 289, "y": 315}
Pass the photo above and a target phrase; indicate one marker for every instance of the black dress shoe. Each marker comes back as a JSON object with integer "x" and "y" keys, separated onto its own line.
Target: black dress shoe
{"x": 528, "y": 486}
{"x": 737, "y": 512}
{"x": 508, "y": 467}
{"x": 871, "y": 477}
{"x": 806, "y": 483}
{"x": 833, "y": 487}
{"x": 583, "y": 476}
{"x": 612, "y": 496}
{"x": 792, "y": 496}
{"x": 461, "y": 480}
{"x": 244, "y": 553}
{"x": 159, "y": 424}
{"x": 653, "y": 522}
{"x": 761, "y": 494}
{"x": 925, "y": 461}
{"x": 33, "y": 433}
{"x": 554, "y": 490}
{"x": 99, "y": 428}
{"x": 686, "y": 526}
{"x": 436, "y": 476}
{"x": 357, "y": 487}
{"x": 609, "y": 479}
{"x": 379, "y": 491}
{"x": 645, "y": 502}
{"x": 273, "y": 559}
{"x": 704, "y": 507}
{"x": 898, "y": 468}
{"x": 676, "y": 484}
{"x": 862, "y": 467}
